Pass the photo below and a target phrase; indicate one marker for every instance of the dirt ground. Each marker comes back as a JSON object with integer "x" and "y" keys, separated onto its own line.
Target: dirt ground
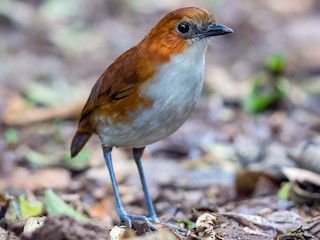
{"x": 246, "y": 165}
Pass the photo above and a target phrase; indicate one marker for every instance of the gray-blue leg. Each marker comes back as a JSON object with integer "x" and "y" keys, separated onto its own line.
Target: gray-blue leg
{"x": 137, "y": 153}
{"x": 120, "y": 209}
{"x": 124, "y": 217}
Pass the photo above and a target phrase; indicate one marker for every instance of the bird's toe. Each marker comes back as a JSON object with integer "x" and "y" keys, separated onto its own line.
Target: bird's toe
{"x": 126, "y": 220}
{"x": 142, "y": 218}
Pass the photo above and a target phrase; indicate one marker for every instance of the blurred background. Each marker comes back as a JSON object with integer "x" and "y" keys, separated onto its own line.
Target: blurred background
{"x": 258, "y": 112}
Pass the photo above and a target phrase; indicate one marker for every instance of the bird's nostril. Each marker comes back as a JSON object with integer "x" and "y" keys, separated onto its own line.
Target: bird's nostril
{"x": 211, "y": 27}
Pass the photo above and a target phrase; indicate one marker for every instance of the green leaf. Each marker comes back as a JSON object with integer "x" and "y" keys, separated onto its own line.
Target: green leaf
{"x": 54, "y": 94}
{"x": 275, "y": 63}
{"x": 186, "y": 222}
{"x": 30, "y": 208}
{"x": 55, "y": 206}
{"x": 263, "y": 94}
{"x": 38, "y": 158}
{"x": 41, "y": 94}
{"x": 81, "y": 161}
{"x": 284, "y": 191}
{"x": 11, "y": 136}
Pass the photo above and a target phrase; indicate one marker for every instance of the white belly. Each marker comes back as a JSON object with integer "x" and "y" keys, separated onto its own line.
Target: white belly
{"x": 175, "y": 90}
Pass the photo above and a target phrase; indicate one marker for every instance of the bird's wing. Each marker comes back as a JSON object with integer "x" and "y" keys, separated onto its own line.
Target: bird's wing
{"x": 104, "y": 93}
{"x": 117, "y": 90}
{"x": 107, "y": 96}
{"x": 116, "y": 94}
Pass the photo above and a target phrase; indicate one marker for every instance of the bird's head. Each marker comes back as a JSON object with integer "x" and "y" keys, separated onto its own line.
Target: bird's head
{"x": 185, "y": 27}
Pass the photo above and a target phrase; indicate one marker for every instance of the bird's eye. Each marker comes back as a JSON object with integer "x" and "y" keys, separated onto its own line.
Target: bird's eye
{"x": 183, "y": 27}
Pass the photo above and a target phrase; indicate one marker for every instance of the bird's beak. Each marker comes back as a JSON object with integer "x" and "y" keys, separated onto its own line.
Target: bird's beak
{"x": 215, "y": 30}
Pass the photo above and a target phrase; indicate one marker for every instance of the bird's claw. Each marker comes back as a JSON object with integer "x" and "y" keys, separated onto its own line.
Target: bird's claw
{"x": 128, "y": 218}
{"x": 174, "y": 227}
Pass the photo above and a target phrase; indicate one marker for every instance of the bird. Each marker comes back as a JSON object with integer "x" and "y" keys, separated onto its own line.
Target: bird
{"x": 148, "y": 92}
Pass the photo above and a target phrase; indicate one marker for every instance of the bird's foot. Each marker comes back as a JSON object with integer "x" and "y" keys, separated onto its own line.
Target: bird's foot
{"x": 128, "y": 218}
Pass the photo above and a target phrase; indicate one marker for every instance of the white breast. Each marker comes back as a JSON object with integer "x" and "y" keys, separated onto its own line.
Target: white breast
{"x": 174, "y": 90}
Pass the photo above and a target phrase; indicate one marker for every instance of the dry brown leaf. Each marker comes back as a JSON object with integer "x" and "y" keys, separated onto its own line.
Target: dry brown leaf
{"x": 302, "y": 194}
{"x": 247, "y": 182}
{"x": 33, "y": 223}
{"x": 306, "y": 154}
{"x": 100, "y": 209}
{"x": 56, "y": 178}
{"x": 301, "y": 175}
{"x": 204, "y": 227}
{"x": 206, "y": 221}
{"x": 255, "y": 232}
{"x": 66, "y": 227}
{"x": 305, "y": 186}
{"x": 17, "y": 112}
{"x": 161, "y": 234}
{"x": 281, "y": 221}
{"x": 3, "y": 233}
{"x": 121, "y": 232}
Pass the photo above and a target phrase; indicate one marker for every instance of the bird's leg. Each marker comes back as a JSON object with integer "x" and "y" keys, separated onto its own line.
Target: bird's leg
{"x": 120, "y": 209}
{"x": 124, "y": 217}
{"x": 137, "y": 153}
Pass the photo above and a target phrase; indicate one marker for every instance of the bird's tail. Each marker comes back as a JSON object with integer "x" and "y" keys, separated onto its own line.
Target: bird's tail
{"x": 78, "y": 141}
